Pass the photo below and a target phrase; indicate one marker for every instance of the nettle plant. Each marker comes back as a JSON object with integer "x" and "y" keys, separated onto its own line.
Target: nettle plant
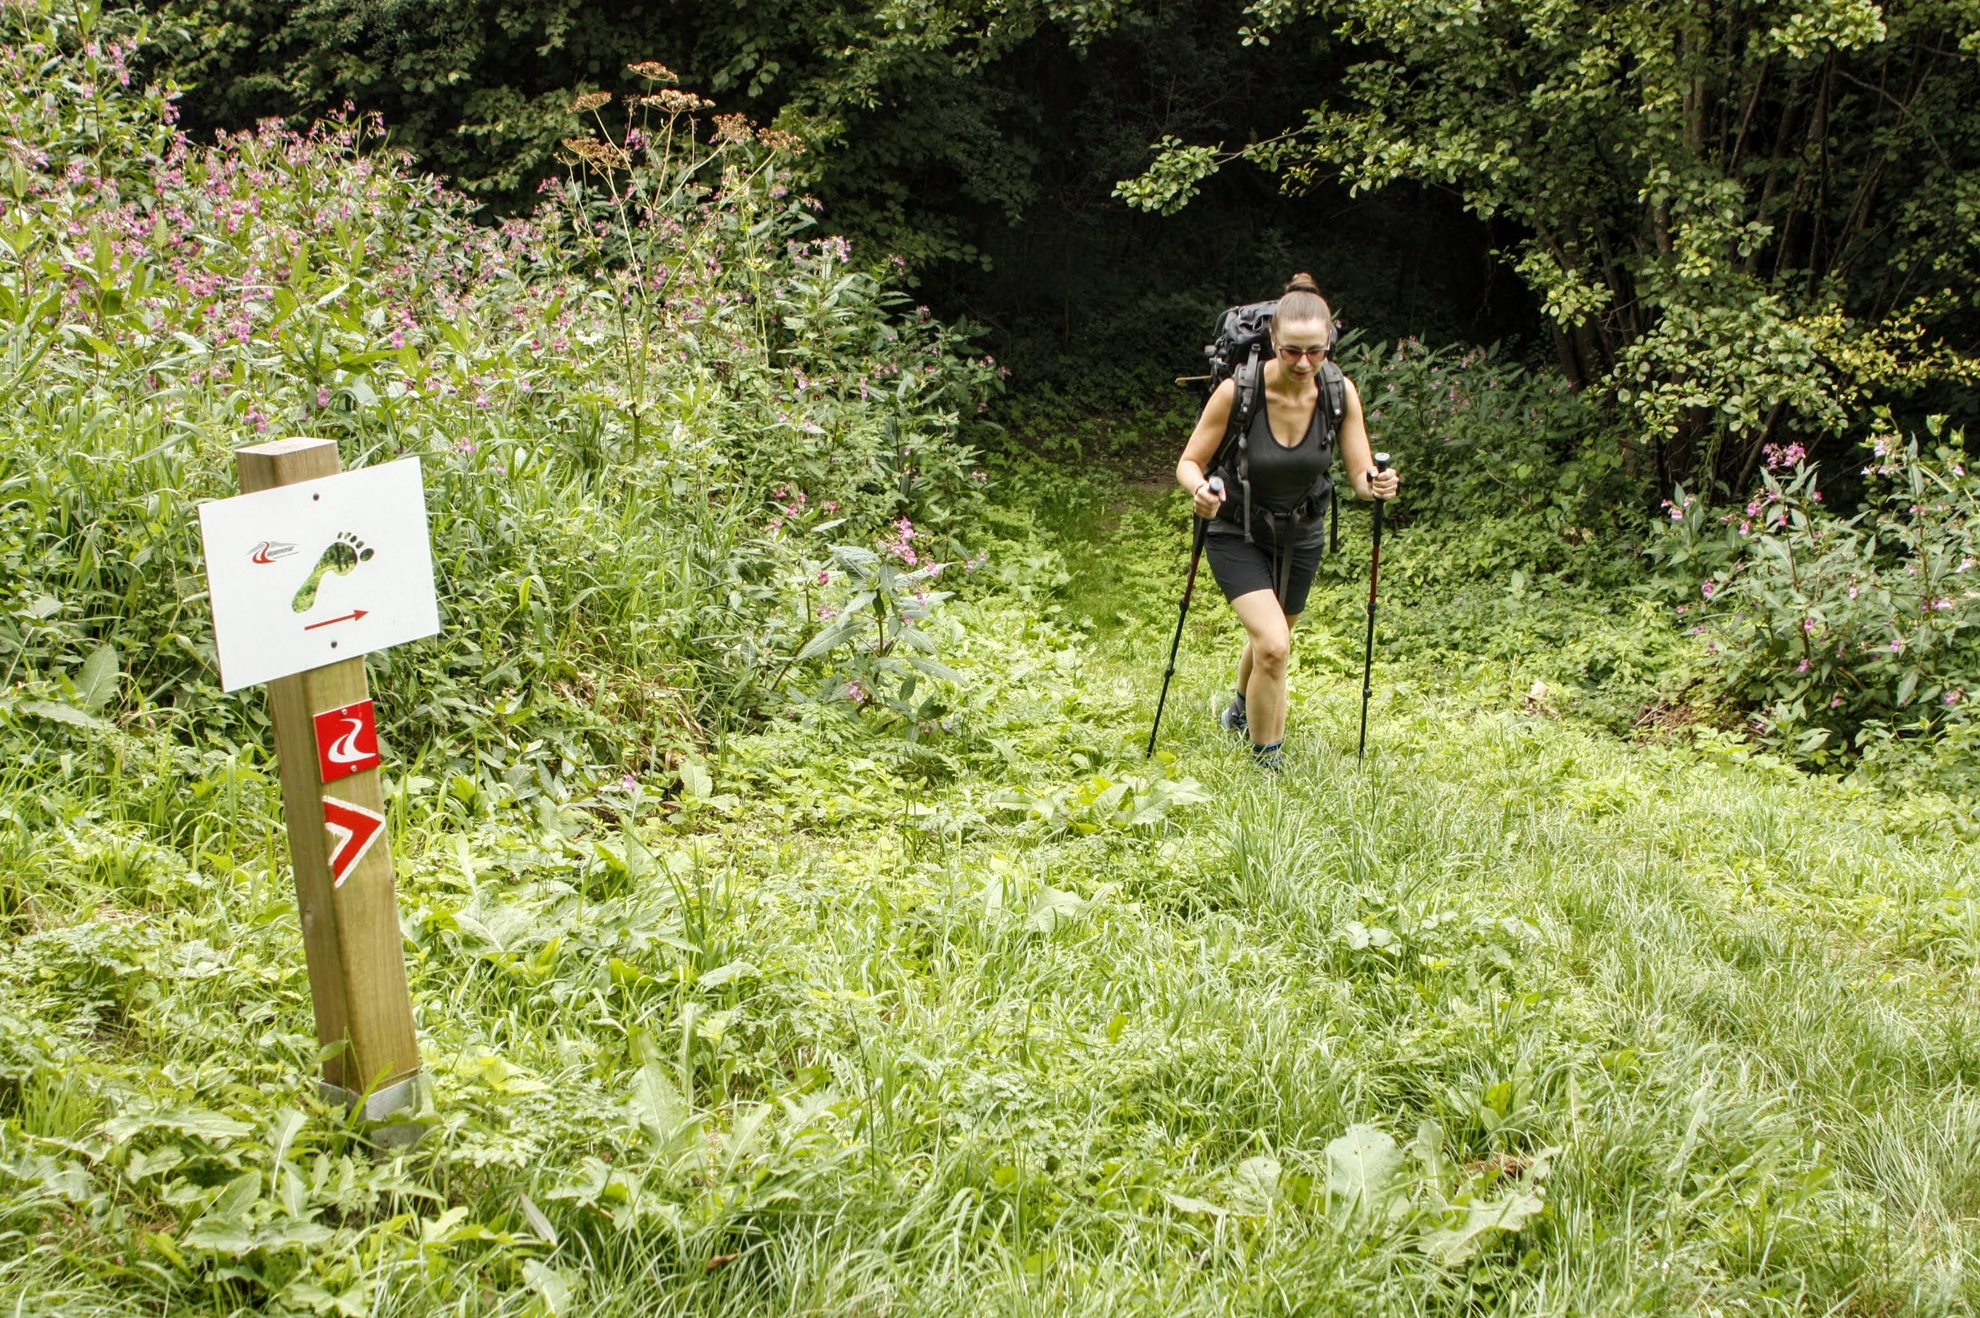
{"x": 1836, "y": 630}
{"x": 867, "y": 612}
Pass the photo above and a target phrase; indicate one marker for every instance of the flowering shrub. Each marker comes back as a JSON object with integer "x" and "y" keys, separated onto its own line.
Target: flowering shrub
{"x": 604, "y": 393}
{"x": 1835, "y": 630}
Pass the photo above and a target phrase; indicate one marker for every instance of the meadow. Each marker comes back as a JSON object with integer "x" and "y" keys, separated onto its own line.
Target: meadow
{"x": 793, "y": 923}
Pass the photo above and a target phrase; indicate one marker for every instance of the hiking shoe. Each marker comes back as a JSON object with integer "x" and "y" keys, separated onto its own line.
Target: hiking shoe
{"x": 1267, "y": 757}
{"x": 1232, "y": 719}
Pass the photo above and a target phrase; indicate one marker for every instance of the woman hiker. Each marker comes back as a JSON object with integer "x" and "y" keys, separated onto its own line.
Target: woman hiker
{"x": 1267, "y": 525}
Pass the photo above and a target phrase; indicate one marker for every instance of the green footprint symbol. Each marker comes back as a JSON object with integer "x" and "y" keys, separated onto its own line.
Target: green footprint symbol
{"x": 340, "y": 556}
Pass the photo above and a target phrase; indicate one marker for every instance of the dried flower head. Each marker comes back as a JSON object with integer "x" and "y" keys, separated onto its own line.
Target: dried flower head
{"x": 590, "y": 101}
{"x": 674, "y": 102}
{"x": 653, "y": 71}
{"x": 731, "y": 128}
{"x": 602, "y": 155}
{"x": 789, "y": 144}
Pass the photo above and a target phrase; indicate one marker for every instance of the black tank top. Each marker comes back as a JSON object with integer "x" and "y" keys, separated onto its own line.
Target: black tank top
{"x": 1281, "y": 478}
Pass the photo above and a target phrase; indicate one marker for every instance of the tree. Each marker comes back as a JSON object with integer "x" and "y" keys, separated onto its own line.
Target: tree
{"x": 1744, "y": 219}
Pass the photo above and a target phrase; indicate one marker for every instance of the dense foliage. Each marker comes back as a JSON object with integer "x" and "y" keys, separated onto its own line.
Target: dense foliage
{"x": 979, "y": 148}
{"x": 1846, "y": 633}
{"x": 606, "y": 396}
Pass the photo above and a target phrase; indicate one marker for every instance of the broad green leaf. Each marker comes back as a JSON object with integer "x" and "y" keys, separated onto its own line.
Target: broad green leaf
{"x": 1255, "y": 1184}
{"x": 548, "y": 1283}
{"x": 196, "y": 1122}
{"x": 1053, "y": 907}
{"x": 1453, "y": 1245}
{"x": 1185, "y": 1204}
{"x": 833, "y": 636}
{"x": 1361, "y": 1168}
{"x": 68, "y": 714}
{"x": 657, "y": 1104}
{"x": 723, "y": 974}
{"x": 538, "y": 1223}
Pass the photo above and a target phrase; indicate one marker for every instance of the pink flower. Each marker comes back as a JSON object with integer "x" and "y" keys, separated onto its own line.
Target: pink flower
{"x": 322, "y": 395}
{"x": 1954, "y": 696}
{"x": 856, "y": 693}
{"x": 1803, "y": 666}
{"x": 1708, "y": 587}
{"x": 824, "y": 577}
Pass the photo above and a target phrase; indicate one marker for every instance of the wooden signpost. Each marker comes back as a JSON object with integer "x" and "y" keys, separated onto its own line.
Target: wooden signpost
{"x": 308, "y": 571}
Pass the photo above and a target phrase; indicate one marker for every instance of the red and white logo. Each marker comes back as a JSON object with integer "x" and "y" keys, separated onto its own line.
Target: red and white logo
{"x": 352, "y": 830}
{"x": 270, "y": 551}
{"x": 346, "y": 741}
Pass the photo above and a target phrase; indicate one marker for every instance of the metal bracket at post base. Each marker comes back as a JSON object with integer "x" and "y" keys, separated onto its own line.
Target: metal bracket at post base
{"x": 378, "y": 1108}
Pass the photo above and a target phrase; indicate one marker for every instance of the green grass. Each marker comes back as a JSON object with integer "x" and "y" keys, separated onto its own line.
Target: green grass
{"x": 965, "y": 1029}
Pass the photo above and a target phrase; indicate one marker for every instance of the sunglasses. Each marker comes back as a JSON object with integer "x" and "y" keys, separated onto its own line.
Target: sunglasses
{"x": 1294, "y": 354}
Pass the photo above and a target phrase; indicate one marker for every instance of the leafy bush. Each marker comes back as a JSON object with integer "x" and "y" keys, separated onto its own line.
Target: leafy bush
{"x": 604, "y": 395}
{"x": 1842, "y": 632}
{"x": 1487, "y": 442}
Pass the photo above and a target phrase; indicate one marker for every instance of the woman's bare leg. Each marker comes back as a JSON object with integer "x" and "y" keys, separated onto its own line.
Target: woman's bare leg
{"x": 1262, "y": 669}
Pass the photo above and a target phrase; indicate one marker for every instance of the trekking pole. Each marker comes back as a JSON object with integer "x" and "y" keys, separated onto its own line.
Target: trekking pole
{"x": 1368, "y": 650}
{"x": 1189, "y": 588}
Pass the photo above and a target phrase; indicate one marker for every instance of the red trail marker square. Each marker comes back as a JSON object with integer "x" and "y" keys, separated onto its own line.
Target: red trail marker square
{"x": 346, "y": 741}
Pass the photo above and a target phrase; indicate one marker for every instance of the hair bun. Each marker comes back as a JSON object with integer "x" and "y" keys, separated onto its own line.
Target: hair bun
{"x": 1303, "y": 283}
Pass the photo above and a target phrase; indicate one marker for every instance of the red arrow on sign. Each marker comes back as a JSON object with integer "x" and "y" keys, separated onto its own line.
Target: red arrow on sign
{"x": 352, "y": 830}
{"x": 352, "y": 616}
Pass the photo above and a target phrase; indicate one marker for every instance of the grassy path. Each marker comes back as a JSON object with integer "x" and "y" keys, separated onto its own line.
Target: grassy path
{"x": 1515, "y": 1018}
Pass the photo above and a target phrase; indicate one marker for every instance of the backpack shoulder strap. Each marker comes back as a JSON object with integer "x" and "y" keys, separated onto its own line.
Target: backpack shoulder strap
{"x": 1333, "y": 392}
{"x": 1248, "y": 380}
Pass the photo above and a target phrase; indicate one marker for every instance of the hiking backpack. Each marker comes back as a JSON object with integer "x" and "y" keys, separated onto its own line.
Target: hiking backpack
{"x": 1242, "y": 342}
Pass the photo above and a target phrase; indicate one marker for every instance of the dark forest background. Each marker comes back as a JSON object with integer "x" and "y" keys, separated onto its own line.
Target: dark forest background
{"x": 987, "y": 160}
{"x": 1734, "y": 224}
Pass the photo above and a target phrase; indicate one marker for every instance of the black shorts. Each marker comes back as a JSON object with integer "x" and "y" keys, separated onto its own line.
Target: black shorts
{"x": 1241, "y": 568}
